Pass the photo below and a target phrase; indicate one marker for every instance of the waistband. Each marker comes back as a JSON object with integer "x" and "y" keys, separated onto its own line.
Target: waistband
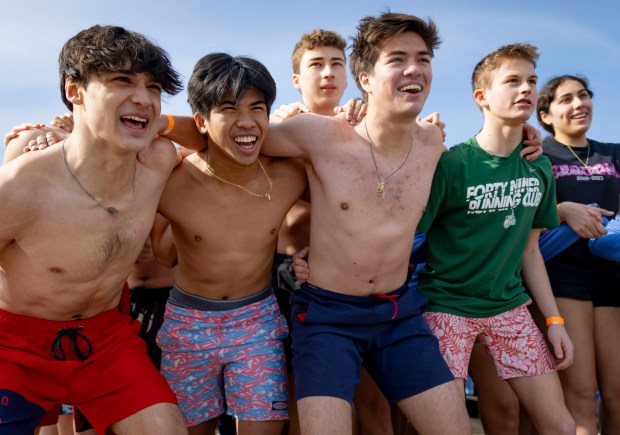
{"x": 142, "y": 289}
{"x": 343, "y": 297}
{"x": 183, "y": 299}
{"x": 18, "y": 322}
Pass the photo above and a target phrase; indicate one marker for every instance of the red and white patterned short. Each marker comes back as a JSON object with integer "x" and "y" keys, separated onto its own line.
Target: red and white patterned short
{"x": 517, "y": 346}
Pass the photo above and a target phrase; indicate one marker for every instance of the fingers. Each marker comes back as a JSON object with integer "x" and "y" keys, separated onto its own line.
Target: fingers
{"x": 531, "y": 152}
{"x": 19, "y": 128}
{"x": 287, "y": 111}
{"x": 354, "y": 110}
{"x": 64, "y": 122}
{"x": 434, "y": 118}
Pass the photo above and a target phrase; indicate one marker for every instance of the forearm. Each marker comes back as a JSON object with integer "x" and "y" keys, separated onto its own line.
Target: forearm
{"x": 184, "y": 132}
{"x": 536, "y": 279}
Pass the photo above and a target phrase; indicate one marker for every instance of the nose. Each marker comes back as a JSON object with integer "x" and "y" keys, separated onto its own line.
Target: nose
{"x": 141, "y": 96}
{"x": 246, "y": 120}
{"x": 577, "y": 102}
{"x": 526, "y": 87}
{"x": 412, "y": 69}
{"x": 328, "y": 71}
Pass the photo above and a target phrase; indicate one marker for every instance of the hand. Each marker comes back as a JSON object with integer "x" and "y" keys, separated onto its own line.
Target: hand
{"x": 585, "y": 220}
{"x": 42, "y": 141}
{"x": 300, "y": 266}
{"x": 354, "y": 110}
{"x": 287, "y": 111}
{"x": 19, "y": 128}
{"x": 64, "y": 122}
{"x": 533, "y": 143}
{"x": 433, "y": 118}
{"x": 561, "y": 346}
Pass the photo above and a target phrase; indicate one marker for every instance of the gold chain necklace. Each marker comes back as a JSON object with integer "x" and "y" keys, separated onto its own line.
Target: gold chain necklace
{"x": 382, "y": 181}
{"x": 259, "y": 195}
{"x": 113, "y": 211}
{"x": 585, "y": 165}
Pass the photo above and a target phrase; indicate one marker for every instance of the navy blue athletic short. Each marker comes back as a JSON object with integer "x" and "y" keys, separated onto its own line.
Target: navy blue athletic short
{"x": 335, "y": 334}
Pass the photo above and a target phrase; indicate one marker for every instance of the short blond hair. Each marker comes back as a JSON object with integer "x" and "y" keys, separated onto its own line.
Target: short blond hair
{"x": 314, "y": 39}
{"x": 482, "y": 75}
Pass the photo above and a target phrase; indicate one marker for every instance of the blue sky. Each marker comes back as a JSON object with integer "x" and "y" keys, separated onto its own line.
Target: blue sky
{"x": 574, "y": 37}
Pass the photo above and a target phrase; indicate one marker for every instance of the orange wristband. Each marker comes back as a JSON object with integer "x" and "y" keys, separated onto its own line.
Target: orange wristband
{"x": 170, "y": 127}
{"x": 555, "y": 320}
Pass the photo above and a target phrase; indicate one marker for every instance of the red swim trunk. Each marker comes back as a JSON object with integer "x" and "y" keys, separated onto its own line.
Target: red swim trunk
{"x": 99, "y": 364}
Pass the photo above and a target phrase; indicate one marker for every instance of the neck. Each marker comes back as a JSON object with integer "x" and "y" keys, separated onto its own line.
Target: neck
{"x": 225, "y": 167}
{"x": 100, "y": 162}
{"x": 500, "y": 141}
{"x": 386, "y": 133}
{"x": 320, "y": 110}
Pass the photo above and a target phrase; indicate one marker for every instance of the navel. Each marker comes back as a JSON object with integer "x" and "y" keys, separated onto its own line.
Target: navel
{"x": 197, "y": 238}
{"x": 344, "y": 205}
{"x": 55, "y": 270}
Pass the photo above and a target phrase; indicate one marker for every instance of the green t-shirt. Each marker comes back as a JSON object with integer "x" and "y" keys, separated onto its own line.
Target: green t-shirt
{"x": 477, "y": 221}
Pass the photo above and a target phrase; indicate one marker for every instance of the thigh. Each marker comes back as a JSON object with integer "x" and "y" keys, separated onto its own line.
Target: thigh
{"x": 256, "y": 381}
{"x": 324, "y": 415}
{"x": 163, "y": 418}
{"x": 607, "y": 342}
{"x": 516, "y": 344}
{"x": 397, "y": 374}
{"x": 456, "y": 335}
{"x": 580, "y": 377}
{"x": 542, "y": 398}
{"x": 326, "y": 361}
{"x": 438, "y": 410}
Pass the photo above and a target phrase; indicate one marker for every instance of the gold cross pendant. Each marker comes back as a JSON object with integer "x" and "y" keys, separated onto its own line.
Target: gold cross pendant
{"x": 381, "y": 190}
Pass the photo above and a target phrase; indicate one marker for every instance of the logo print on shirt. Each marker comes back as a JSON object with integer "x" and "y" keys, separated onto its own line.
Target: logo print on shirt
{"x": 503, "y": 196}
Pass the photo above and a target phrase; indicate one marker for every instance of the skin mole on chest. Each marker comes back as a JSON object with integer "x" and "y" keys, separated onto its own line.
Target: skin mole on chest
{"x": 273, "y": 231}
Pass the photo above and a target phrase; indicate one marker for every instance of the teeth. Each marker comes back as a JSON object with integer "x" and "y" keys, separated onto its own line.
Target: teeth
{"x": 245, "y": 139}
{"x": 411, "y": 88}
{"x": 135, "y": 118}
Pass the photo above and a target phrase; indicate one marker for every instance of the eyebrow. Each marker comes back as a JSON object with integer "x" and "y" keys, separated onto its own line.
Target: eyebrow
{"x": 323, "y": 58}
{"x": 405, "y": 53}
{"x": 579, "y": 91}
{"x": 234, "y": 103}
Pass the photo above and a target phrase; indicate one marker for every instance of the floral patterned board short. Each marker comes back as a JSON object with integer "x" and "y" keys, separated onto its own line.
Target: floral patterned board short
{"x": 517, "y": 346}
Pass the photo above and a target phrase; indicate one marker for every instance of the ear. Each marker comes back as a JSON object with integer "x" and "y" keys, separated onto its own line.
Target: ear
{"x": 296, "y": 82}
{"x": 74, "y": 92}
{"x": 201, "y": 123}
{"x": 544, "y": 117}
{"x": 480, "y": 98}
{"x": 364, "y": 80}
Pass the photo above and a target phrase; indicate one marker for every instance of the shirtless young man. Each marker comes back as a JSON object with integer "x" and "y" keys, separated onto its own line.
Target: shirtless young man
{"x": 73, "y": 220}
{"x": 222, "y": 334}
{"x": 319, "y": 74}
{"x": 369, "y": 186}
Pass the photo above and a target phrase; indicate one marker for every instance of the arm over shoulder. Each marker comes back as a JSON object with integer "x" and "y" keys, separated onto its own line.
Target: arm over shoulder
{"x": 299, "y": 136}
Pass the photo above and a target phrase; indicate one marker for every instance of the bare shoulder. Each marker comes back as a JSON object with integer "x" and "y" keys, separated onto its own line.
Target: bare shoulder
{"x": 25, "y": 182}
{"x": 430, "y": 137}
{"x": 161, "y": 155}
{"x": 288, "y": 171}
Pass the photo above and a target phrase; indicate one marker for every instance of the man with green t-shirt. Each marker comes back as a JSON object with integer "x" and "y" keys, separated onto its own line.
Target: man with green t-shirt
{"x": 486, "y": 209}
